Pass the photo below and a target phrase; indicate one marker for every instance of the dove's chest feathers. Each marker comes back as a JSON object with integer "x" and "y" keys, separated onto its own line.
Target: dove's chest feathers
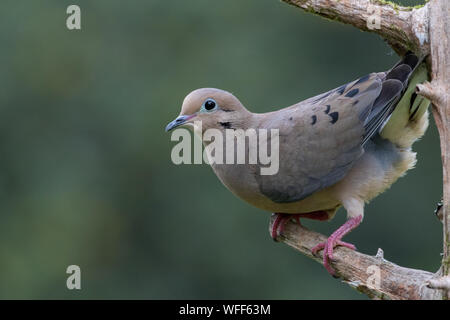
{"x": 239, "y": 179}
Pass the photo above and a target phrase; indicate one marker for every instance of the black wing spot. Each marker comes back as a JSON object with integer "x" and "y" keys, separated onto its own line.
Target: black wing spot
{"x": 352, "y": 93}
{"x": 314, "y": 120}
{"x": 355, "y": 102}
{"x": 290, "y": 118}
{"x": 327, "y": 109}
{"x": 334, "y": 117}
{"x": 341, "y": 89}
{"x": 363, "y": 79}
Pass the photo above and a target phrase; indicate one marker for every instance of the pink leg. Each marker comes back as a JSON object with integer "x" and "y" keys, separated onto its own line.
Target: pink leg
{"x": 282, "y": 218}
{"x": 335, "y": 240}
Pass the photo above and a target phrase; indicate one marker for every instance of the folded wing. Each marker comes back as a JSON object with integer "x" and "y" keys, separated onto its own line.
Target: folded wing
{"x": 321, "y": 138}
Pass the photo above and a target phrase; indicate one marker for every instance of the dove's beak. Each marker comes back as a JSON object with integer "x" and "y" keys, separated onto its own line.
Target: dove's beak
{"x": 179, "y": 121}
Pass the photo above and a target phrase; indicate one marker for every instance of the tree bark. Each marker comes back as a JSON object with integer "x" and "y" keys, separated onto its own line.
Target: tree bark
{"x": 404, "y": 28}
{"x": 371, "y": 275}
{"x": 424, "y": 30}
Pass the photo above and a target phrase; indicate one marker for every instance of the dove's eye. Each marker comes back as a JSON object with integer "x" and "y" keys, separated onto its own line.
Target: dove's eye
{"x": 209, "y": 105}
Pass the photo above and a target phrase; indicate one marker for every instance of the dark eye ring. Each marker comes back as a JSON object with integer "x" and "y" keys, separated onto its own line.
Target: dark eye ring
{"x": 210, "y": 104}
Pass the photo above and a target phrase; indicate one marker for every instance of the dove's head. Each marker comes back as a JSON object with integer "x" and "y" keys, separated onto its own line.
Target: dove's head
{"x": 214, "y": 108}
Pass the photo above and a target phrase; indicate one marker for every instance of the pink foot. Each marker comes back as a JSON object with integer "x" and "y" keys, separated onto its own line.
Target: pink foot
{"x": 335, "y": 240}
{"x": 322, "y": 245}
{"x": 279, "y": 224}
{"x": 282, "y": 218}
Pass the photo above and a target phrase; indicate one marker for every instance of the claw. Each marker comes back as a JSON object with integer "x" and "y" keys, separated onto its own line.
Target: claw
{"x": 335, "y": 240}
{"x": 282, "y": 218}
{"x": 318, "y": 247}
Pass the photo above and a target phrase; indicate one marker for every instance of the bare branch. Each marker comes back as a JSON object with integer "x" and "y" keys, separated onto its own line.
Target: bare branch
{"x": 404, "y": 28}
{"x": 371, "y": 275}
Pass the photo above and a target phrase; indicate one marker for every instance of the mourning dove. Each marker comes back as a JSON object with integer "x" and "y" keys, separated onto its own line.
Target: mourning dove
{"x": 340, "y": 148}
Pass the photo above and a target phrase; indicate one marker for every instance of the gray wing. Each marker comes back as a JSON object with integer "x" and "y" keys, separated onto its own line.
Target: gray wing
{"x": 321, "y": 138}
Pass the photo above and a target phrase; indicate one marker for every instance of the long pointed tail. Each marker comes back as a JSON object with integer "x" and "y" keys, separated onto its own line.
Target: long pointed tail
{"x": 409, "y": 121}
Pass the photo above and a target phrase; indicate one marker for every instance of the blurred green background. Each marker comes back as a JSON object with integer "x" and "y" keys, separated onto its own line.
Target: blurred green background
{"x": 85, "y": 170}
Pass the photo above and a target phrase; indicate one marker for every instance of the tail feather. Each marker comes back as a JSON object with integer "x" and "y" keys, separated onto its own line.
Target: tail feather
{"x": 394, "y": 86}
{"x": 409, "y": 119}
